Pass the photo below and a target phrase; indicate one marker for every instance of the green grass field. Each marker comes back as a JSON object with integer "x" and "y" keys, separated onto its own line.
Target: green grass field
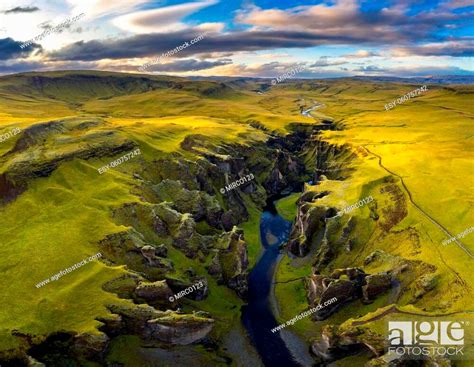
{"x": 59, "y": 219}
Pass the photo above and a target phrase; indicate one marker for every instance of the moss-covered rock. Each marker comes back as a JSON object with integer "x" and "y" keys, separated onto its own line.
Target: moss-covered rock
{"x": 90, "y": 346}
{"x": 169, "y": 326}
{"x": 336, "y": 343}
{"x": 198, "y": 294}
{"x": 342, "y": 290}
{"x": 309, "y": 220}
{"x": 376, "y": 284}
{"x": 424, "y": 284}
{"x": 199, "y": 204}
{"x": 128, "y": 248}
{"x": 230, "y": 262}
{"x": 158, "y": 291}
{"x": 344, "y": 285}
{"x": 180, "y": 329}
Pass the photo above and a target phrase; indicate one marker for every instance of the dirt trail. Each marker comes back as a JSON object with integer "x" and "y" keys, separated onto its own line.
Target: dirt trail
{"x": 394, "y": 309}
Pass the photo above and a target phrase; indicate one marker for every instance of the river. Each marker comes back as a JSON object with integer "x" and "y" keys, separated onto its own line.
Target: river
{"x": 315, "y": 106}
{"x": 257, "y": 315}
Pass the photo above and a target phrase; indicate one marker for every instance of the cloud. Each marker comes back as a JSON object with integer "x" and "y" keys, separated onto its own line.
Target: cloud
{"x": 10, "y": 49}
{"x": 136, "y": 46}
{"x": 214, "y": 55}
{"x": 98, "y": 8}
{"x": 412, "y": 70}
{"x": 148, "y": 28}
{"x": 301, "y": 27}
{"x": 278, "y": 55}
{"x": 303, "y": 17}
{"x": 161, "y": 19}
{"x": 344, "y": 22}
{"x": 188, "y": 65}
{"x": 275, "y": 69}
{"x": 460, "y": 48}
{"x": 457, "y": 4}
{"x": 374, "y": 69}
{"x": 341, "y": 23}
{"x": 45, "y": 25}
{"x": 361, "y": 54}
{"x": 19, "y": 9}
{"x": 324, "y": 62}
{"x": 7, "y": 67}
{"x": 18, "y": 67}
{"x": 148, "y": 45}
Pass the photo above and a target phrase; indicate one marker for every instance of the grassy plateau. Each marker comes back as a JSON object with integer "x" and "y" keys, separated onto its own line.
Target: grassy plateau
{"x": 414, "y": 160}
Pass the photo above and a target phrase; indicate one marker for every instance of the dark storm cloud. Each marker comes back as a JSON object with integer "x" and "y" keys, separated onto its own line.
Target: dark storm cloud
{"x": 149, "y": 45}
{"x": 188, "y": 65}
{"x": 19, "y": 9}
{"x": 19, "y": 67}
{"x": 10, "y": 49}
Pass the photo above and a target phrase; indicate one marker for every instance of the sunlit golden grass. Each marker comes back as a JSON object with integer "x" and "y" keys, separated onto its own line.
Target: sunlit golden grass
{"x": 244, "y": 109}
{"x": 430, "y": 147}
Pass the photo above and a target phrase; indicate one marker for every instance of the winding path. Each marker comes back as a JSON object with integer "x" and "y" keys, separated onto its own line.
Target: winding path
{"x": 394, "y": 309}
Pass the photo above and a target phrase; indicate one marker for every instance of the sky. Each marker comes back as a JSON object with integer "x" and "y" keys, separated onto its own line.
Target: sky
{"x": 251, "y": 38}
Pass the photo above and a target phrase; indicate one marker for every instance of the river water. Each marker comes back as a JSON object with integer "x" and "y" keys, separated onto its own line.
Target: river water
{"x": 257, "y": 315}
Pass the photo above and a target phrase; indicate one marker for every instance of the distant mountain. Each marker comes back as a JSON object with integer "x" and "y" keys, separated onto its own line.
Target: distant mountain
{"x": 77, "y": 86}
{"x": 436, "y": 79}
